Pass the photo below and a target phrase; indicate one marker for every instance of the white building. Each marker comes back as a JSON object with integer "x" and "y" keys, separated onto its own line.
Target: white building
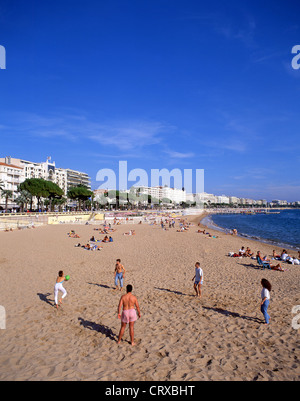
{"x": 234, "y": 200}
{"x": 223, "y": 199}
{"x": 23, "y": 169}
{"x": 207, "y": 198}
{"x": 10, "y": 177}
{"x": 75, "y": 178}
{"x": 176, "y": 196}
{"x": 46, "y": 171}
{"x": 64, "y": 178}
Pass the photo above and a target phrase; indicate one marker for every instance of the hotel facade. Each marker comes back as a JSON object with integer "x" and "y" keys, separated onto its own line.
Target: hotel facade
{"x": 14, "y": 171}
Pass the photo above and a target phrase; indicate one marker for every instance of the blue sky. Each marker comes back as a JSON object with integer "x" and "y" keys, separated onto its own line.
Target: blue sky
{"x": 160, "y": 84}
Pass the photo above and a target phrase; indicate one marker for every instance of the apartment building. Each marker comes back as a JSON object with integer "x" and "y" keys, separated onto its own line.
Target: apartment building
{"x": 14, "y": 171}
{"x": 10, "y": 177}
{"x": 160, "y": 193}
{"x": 75, "y": 178}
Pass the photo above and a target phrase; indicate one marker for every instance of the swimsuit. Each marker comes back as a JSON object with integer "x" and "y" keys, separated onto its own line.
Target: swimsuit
{"x": 128, "y": 315}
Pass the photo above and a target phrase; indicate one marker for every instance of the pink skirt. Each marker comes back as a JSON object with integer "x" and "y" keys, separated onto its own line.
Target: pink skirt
{"x": 128, "y": 316}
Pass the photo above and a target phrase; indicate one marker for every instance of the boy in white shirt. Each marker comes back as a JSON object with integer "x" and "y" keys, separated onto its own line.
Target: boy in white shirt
{"x": 198, "y": 279}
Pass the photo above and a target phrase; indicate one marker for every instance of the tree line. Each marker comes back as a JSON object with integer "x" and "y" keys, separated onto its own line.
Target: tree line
{"x": 47, "y": 193}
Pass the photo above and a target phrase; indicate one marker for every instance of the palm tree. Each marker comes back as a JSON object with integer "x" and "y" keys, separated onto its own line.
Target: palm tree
{"x": 7, "y": 194}
{"x": 23, "y": 199}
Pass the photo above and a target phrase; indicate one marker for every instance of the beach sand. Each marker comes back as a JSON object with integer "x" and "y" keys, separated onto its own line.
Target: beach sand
{"x": 179, "y": 337}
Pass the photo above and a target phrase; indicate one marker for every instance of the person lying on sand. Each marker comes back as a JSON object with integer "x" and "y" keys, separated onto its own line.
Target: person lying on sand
{"x": 131, "y": 232}
{"x": 278, "y": 267}
{"x": 72, "y": 234}
{"x": 211, "y": 236}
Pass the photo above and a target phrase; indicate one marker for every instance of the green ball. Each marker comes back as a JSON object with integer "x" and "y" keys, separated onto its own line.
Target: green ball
{"x": 67, "y": 278}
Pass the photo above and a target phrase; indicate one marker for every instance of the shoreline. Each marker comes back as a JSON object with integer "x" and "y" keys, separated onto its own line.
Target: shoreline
{"x": 218, "y": 229}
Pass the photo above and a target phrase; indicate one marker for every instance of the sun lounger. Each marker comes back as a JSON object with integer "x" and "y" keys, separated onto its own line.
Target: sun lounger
{"x": 264, "y": 265}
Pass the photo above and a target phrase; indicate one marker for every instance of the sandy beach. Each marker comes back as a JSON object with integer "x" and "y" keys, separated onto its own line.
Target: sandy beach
{"x": 179, "y": 337}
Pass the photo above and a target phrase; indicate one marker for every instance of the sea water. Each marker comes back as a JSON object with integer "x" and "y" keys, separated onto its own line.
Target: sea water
{"x": 281, "y": 229}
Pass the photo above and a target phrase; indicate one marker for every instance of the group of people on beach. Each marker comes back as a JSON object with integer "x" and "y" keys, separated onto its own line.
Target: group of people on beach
{"x": 92, "y": 245}
{"x": 128, "y": 307}
{"x": 283, "y": 257}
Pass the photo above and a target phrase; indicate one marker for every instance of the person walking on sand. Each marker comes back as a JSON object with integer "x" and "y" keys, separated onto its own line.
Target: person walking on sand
{"x": 119, "y": 274}
{"x": 129, "y": 302}
{"x": 198, "y": 277}
{"x": 265, "y": 299}
{"x": 59, "y": 287}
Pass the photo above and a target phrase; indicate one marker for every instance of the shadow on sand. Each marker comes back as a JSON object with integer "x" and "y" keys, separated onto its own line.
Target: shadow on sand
{"x": 225, "y": 312}
{"x": 102, "y": 285}
{"x": 44, "y": 297}
{"x": 100, "y": 328}
{"x": 174, "y": 292}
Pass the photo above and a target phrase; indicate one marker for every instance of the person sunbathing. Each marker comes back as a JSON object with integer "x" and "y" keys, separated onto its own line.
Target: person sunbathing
{"x": 242, "y": 251}
{"x": 285, "y": 256}
{"x": 74, "y": 236}
{"x": 105, "y": 239}
{"x": 131, "y": 232}
{"x": 262, "y": 258}
{"x": 276, "y": 256}
{"x": 277, "y": 267}
{"x": 273, "y": 267}
{"x": 248, "y": 253}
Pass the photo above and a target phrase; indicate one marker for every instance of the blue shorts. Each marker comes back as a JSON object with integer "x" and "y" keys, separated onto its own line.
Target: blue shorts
{"x": 198, "y": 281}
